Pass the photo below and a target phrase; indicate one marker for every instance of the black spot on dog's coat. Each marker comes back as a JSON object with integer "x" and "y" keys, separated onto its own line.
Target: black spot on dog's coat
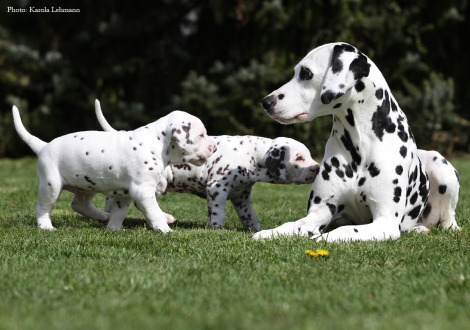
{"x": 397, "y": 194}
{"x": 399, "y": 169}
{"x": 403, "y": 151}
{"x": 349, "y": 145}
{"x": 336, "y": 63}
{"x": 381, "y": 122}
{"x": 332, "y": 208}
{"x": 359, "y": 86}
{"x": 360, "y": 68}
{"x": 442, "y": 189}
{"x": 457, "y": 175}
{"x": 373, "y": 170}
{"x": 379, "y": 93}
{"x": 414, "y": 213}
{"x": 350, "y": 117}
{"x": 414, "y": 198}
{"x": 348, "y": 171}
{"x": 335, "y": 162}
{"x": 427, "y": 211}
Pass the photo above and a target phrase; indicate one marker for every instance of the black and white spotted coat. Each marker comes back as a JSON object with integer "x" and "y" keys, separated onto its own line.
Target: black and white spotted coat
{"x": 373, "y": 181}
{"x": 231, "y": 172}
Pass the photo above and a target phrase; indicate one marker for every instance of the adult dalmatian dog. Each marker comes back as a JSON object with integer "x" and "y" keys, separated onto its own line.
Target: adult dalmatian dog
{"x": 125, "y": 165}
{"x": 374, "y": 183}
{"x": 231, "y": 172}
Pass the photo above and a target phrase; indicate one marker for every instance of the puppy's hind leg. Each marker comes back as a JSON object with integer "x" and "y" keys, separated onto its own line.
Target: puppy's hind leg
{"x": 246, "y": 212}
{"x": 216, "y": 201}
{"x": 50, "y": 187}
{"x": 82, "y": 203}
{"x": 118, "y": 212}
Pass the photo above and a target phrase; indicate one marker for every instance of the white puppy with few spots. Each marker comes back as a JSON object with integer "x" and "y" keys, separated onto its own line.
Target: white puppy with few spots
{"x": 231, "y": 172}
{"x": 125, "y": 165}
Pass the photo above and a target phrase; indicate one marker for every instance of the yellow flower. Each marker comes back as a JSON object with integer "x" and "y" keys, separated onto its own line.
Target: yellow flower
{"x": 311, "y": 253}
{"x": 318, "y": 253}
{"x": 323, "y": 253}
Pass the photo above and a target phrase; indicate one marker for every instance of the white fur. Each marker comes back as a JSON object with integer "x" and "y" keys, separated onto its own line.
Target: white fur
{"x": 125, "y": 165}
{"x": 377, "y": 200}
{"x": 231, "y": 172}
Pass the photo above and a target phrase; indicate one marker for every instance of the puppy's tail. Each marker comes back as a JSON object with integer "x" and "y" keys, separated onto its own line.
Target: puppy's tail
{"x": 34, "y": 143}
{"x": 103, "y": 122}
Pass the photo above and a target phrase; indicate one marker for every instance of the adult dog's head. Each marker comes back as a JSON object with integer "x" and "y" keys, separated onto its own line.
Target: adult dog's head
{"x": 320, "y": 78}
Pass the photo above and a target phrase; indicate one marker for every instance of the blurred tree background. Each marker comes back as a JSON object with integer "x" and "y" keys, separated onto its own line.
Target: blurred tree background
{"x": 216, "y": 59}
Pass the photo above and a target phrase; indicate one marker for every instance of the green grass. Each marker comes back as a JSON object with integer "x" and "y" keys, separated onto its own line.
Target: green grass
{"x": 83, "y": 276}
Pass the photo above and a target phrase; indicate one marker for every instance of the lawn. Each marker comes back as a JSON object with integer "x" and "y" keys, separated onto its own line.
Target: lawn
{"x": 83, "y": 276}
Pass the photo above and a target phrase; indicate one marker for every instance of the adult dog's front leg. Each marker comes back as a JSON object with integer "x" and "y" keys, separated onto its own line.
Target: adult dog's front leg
{"x": 380, "y": 229}
{"x": 318, "y": 217}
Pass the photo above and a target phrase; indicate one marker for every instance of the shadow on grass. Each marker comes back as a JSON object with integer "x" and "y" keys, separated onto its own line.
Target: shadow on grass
{"x": 136, "y": 222}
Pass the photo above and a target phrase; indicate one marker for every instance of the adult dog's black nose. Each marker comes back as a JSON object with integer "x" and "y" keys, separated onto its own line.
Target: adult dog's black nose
{"x": 268, "y": 102}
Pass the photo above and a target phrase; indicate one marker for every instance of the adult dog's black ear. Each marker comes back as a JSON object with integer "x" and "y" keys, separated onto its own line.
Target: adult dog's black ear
{"x": 347, "y": 67}
{"x": 274, "y": 160}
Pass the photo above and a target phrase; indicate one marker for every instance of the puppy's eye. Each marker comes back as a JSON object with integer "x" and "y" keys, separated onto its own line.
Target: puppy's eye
{"x": 300, "y": 159}
{"x": 305, "y": 74}
{"x": 202, "y": 135}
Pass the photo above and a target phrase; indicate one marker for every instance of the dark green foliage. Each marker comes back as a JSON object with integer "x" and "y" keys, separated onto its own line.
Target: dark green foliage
{"x": 217, "y": 59}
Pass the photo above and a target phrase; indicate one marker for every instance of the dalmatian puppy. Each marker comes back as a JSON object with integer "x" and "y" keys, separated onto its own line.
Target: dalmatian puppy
{"x": 231, "y": 171}
{"x": 125, "y": 165}
{"x": 373, "y": 182}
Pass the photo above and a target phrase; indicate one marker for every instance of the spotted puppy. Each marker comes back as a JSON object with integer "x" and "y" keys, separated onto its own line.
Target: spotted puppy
{"x": 126, "y": 165}
{"x": 231, "y": 172}
{"x": 374, "y": 183}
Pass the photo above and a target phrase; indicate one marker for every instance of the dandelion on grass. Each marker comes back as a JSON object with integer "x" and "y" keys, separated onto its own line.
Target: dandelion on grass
{"x": 317, "y": 253}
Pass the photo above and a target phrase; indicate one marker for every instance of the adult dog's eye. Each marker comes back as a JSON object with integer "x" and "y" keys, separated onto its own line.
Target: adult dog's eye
{"x": 305, "y": 74}
{"x": 202, "y": 135}
{"x": 299, "y": 159}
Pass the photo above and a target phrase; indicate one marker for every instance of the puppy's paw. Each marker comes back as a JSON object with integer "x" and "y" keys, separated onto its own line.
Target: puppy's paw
{"x": 421, "y": 229}
{"x": 169, "y": 218}
{"x": 103, "y": 217}
{"x": 263, "y": 234}
{"x": 47, "y": 227}
{"x": 164, "y": 230}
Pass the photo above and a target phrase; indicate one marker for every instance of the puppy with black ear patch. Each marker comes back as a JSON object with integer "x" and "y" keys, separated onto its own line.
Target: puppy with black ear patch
{"x": 125, "y": 165}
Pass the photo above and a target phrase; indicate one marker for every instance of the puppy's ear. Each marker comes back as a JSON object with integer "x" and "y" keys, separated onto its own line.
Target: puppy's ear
{"x": 274, "y": 160}
{"x": 180, "y": 135}
{"x": 347, "y": 67}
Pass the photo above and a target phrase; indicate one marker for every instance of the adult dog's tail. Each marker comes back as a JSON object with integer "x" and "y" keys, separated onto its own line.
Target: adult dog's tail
{"x": 34, "y": 143}
{"x": 103, "y": 122}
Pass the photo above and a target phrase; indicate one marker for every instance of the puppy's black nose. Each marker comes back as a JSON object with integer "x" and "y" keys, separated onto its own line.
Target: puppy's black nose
{"x": 268, "y": 102}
